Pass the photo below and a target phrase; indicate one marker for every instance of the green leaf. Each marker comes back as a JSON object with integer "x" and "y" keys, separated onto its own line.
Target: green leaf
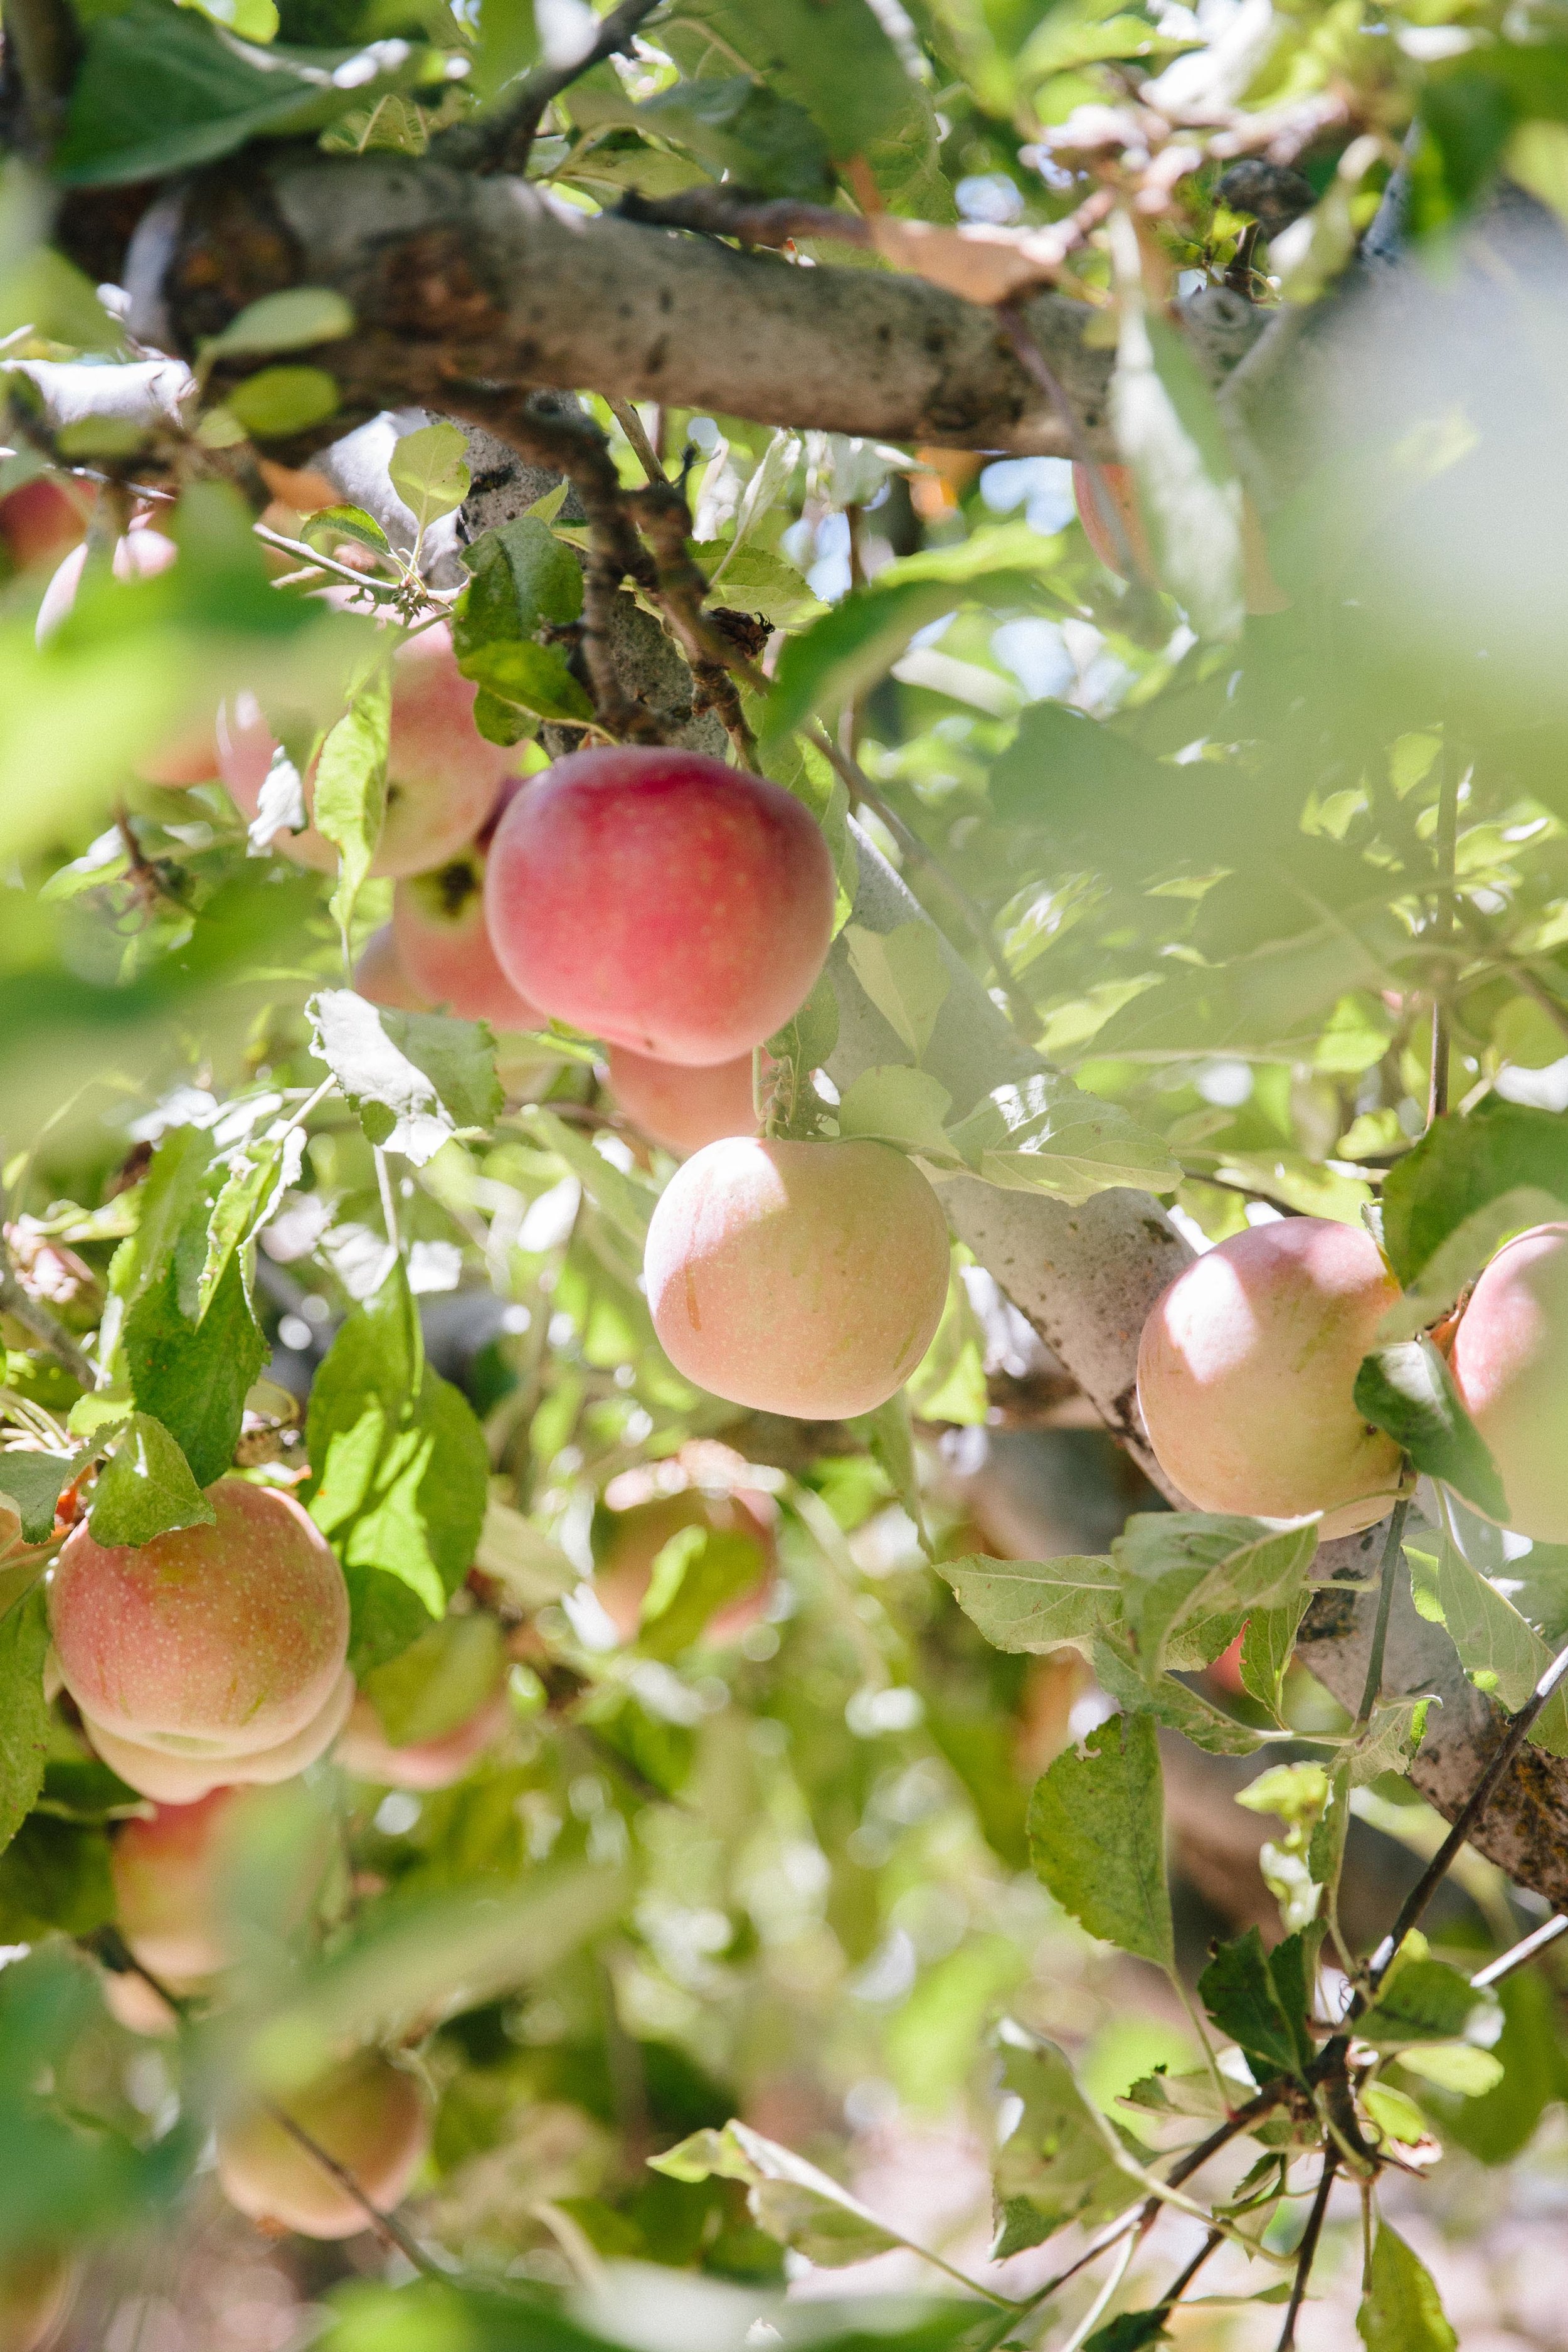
{"x": 758, "y": 581}
{"x": 835, "y": 58}
{"x": 1462, "y": 1165}
{"x": 1043, "y": 1134}
{"x": 400, "y": 1473}
{"x": 1399, "y": 2310}
{"x": 440, "y": 1681}
{"x": 147, "y": 1489}
{"x": 1170, "y": 1702}
{"x": 1425, "y": 2000}
{"x": 1494, "y": 2124}
{"x": 1033, "y": 1605}
{"x": 160, "y": 89}
{"x": 1261, "y": 2001}
{"x": 809, "y": 1040}
{"x": 23, "y": 1709}
{"x": 289, "y": 322}
{"x": 193, "y": 1378}
{"x": 35, "y": 1482}
{"x": 250, "y": 1193}
{"x": 55, "y": 1877}
{"x": 893, "y": 1104}
{"x": 1408, "y": 1389}
{"x": 1462, "y": 1254}
{"x": 1062, "y": 2162}
{"x": 1131, "y": 2330}
{"x": 532, "y": 677}
{"x": 328, "y": 525}
{"x": 1186, "y": 1577}
{"x": 1497, "y": 1647}
{"x": 1395, "y": 2115}
{"x": 415, "y": 1078}
{"x": 904, "y": 974}
{"x": 1267, "y": 1645}
{"x": 284, "y": 400}
{"x": 351, "y": 790}
{"x": 695, "y": 1575}
{"x": 745, "y": 129}
{"x": 857, "y": 641}
{"x": 790, "y": 2199}
{"x": 1097, "y": 1837}
{"x": 429, "y": 471}
{"x": 520, "y": 577}
{"x": 628, "y": 1203}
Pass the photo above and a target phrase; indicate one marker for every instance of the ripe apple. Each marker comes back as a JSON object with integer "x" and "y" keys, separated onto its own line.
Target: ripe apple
{"x": 442, "y": 775}
{"x": 802, "y": 1278}
{"x": 681, "y": 1105}
{"x": 39, "y": 521}
{"x": 210, "y": 1655}
{"x": 660, "y": 901}
{"x": 446, "y": 1693}
{"x": 444, "y": 947}
{"x": 380, "y": 978}
{"x": 1509, "y": 1362}
{"x": 374, "y": 2117}
{"x": 1246, "y": 1372}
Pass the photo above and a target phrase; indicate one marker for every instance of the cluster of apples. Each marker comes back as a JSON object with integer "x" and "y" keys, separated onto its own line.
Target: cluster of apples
{"x": 1247, "y": 1363}
{"x": 681, "y": 911}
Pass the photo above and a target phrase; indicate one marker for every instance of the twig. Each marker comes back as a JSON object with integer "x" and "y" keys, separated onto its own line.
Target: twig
{"x": 1448, "y": 834}
{"x": 1091, "y": 2317}
{"x": 1517, "y": 1954}
{"x": 1386, "y": 1575}
{"x": 752, "y": 220}
{"x": 1179, "y": 2286}
{"x": 386, "y": 2225}
{"x": 1307, "y": 2252}
{"x": 388, "y": 1204}
{"x": 1480, "y": 1797}
{"x": 632, "y": 426}
{"x": 511, "y": 137}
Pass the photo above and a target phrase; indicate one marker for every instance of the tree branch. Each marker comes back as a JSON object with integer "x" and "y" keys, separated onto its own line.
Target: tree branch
{"x": 463, "y": 280}
{"x": 510, "y": 135}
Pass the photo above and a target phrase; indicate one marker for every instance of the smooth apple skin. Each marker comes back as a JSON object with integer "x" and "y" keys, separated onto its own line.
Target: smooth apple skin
{"x": 799, "y": 1278}
{"x": 681, "y": 1106}
{"x": 442, "y": 774}
{"x": 1246, "y": 1369}
{"x": 380, "y": 978}
{"x": 660, "y": 901}
{"x": 1509, "y": 1362}
{"x": 214, "y": 1651}
{"x": 444, "y": 945}
{"x": 372, "y": 2117}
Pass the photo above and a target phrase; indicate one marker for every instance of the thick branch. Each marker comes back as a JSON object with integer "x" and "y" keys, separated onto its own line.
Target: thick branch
{"x": 462, "y": 280}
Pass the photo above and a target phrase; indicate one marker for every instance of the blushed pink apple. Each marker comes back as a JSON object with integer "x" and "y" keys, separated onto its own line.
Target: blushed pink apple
{"x": 803, "y": 1278}
{"x": 1509, "y": 1362}
{"x": 444, "y": 947}
{"x": 210, "y": 1655}
{"x": 681, "y": 1105}
{"x": 372, "y": 2117}
{"x": 1246, "y": 1368}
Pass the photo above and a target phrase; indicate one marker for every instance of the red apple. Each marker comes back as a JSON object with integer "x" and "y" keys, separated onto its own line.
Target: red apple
{"x": 660, "y": 901}
{"x": 379, "y": 975}
{"x": 39, "y": 521}
{"x": 444, "y": 947}
{"x": 683, "y": 1106}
